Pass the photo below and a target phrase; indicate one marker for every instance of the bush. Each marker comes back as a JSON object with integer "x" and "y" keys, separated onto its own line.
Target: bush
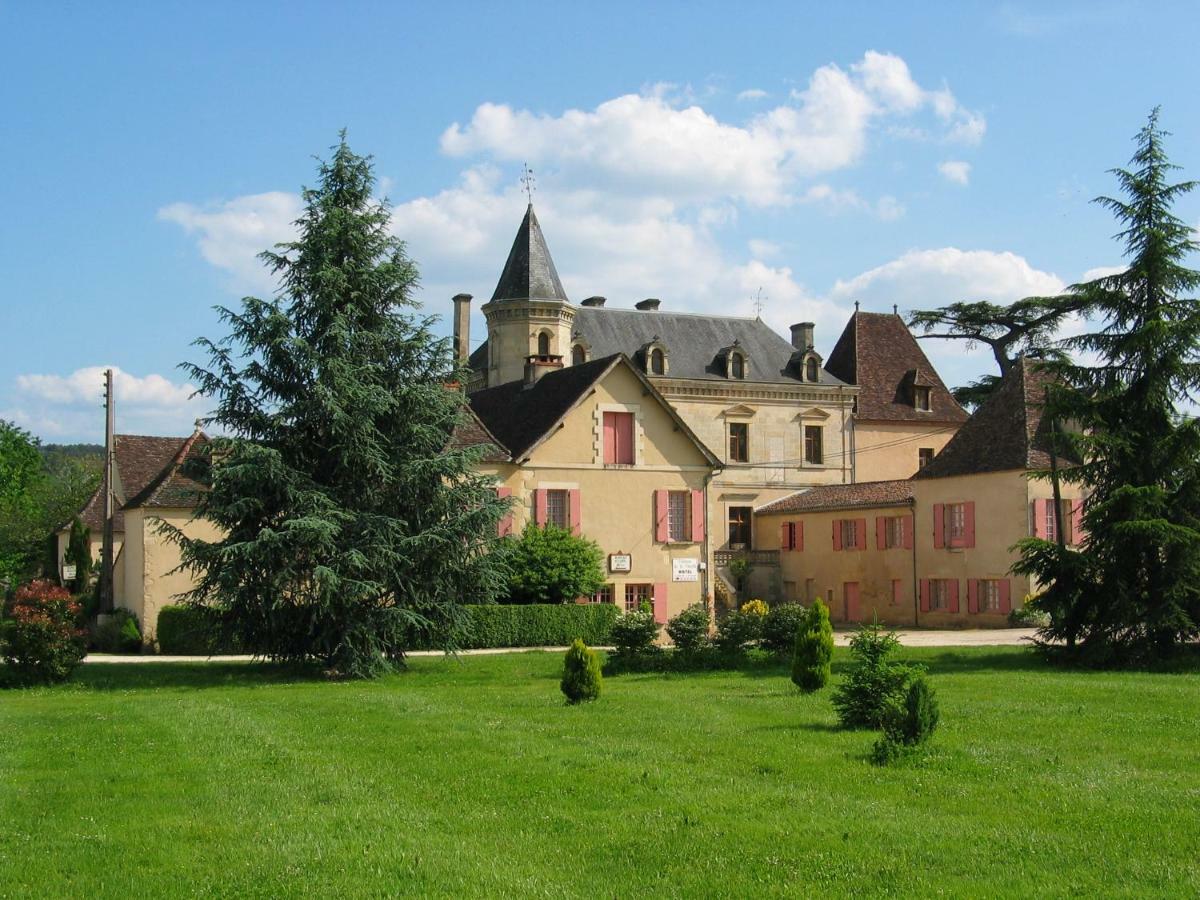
{"x": 813, "y": 649}
{"x": 552, "y": 565}
{"x": 874, "y": 681}
{"x": 738, "y": 629}
{"x": 689, "y": 629}
{"x": 192, "y": 631}
{"x": 534, "y": 625}
{"x": 44, "y": 642}
{"x": 1029, "y": 615}
{"x": 118, "y": 633}
{"x": 581, "y": 673}
{"x": 635, "y": 632}
{"x": 780, "y": 627}
{"x": 908, "y": 724}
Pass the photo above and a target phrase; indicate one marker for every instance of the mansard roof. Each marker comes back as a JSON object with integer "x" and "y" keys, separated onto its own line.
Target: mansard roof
{"x": 529, "y": 273}
{"x": 878, "y": 353}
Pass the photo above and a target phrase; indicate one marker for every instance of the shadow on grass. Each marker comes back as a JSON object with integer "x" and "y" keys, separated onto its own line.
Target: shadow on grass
{"x": 193, "y": 676}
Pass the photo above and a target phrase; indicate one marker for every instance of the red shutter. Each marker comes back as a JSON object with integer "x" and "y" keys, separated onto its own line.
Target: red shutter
{"x": 698, "y": 516}
{"x": 837, "y": 534}
{"x": 539, "y": 507}
{"x": 610, "y": 438}
{"x": 972, "y": 595}
{"x": 624, "y": 438}
{"x": 785, "y": 536}
{"x": 1077, "y": 522}
{"x": 1005, "y": 597}
{"x": 660, "y": 603}
{"x": 924, "y": 595}
{"x": 860, "y": 534}
{"x": 954, "y": 596}
{"x": 939, "y": 530}
{"x": 576, "y": 512}
{"x": 505, "y": 528}
{"x": 908, "y": 528}
{"x": 1039, "y": 519}
{"x": 798, "y": 534}
{"x": 969, "y": 523}
{"x": 880, "y": 533}
{"x": 662, "y": 533}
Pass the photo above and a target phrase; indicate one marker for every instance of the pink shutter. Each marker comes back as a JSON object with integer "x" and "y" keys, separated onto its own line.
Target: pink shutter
{"x": 505, "y": 528}
{"x": 880, "y": 533}
{"x": 860, "y": 534}
{"x": 1076, "y": 522}
{"x": 610, "y": 438}
{"x": 539, "y": 507}
{"x": 662, "y": 533}
{"x": 1039, "y": 519}
{"x": 576, "y": 512}
{"x": 698, "y": 516}
{"x": 660, "y": 603}
{"x": 924, "y": 595}
{"x": 785, "y": 536}
{"x": 954, "y": 596}
{"x": 972, "y": 595}
{"x": 1005, "y": 597}
{"x": 837, "y": 534}
{"x": 969, "y": 523}
{"x": 625, "y": 438}
{"x": 907, "y": 525}
{"x": 798, "y": 534}
{"x": 939, "y": 526}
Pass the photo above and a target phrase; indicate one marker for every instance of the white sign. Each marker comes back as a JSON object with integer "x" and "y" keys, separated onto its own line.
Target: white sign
{"x": 68, "y": 571}
{"x": 620, "y": 562}
{"x": 685, "y": 570}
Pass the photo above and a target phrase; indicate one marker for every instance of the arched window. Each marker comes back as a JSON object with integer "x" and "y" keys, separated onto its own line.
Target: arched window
{"x": 658, "y": 362}
{"x": 544, "y": 344}
{"x": 737, "y": 366}
{"x": 810, "y": 370}
{"x": 578, "y": 355}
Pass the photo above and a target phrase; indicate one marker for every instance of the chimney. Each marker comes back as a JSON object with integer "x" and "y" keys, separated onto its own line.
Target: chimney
{"x": 594, "y": 301}
{"x": 802, "y": 335}
{"x": 650, "y": 304}
{"x": 462, "y": 327}
{"x": 537, "y": 366}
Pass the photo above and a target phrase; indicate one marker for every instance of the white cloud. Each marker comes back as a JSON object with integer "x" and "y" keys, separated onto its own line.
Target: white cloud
{"x": 761, "y": 248}
{"x": 752, "y": 94}
{"x": 1101, "y": 272}
{"x": 887, "y": 208}
{"x": 956, "y": 171}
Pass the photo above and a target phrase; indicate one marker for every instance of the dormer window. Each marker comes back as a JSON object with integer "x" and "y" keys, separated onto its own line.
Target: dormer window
{"x": 654, "y": 357}
{"x": 812, "y": 371}
{"x": 737, "y": 365}
{"x": 921, "y": 398}
{"x": 658, "y": 362}
{"x": 578, "y": 355}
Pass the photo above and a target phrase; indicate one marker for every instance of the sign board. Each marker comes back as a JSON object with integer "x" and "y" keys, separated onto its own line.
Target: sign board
{"x": 620, "y": 562}
{"x": 685, "y": 570}
{"x": 68, "y": 571}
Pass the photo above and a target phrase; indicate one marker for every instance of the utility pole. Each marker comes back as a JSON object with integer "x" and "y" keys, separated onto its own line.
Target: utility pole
{"x": 110, "y": 451}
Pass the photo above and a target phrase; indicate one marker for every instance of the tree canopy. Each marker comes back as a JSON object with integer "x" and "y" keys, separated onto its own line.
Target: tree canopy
{"x": 350, "y": 522}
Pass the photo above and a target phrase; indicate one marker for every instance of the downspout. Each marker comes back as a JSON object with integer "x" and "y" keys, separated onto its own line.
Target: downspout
{"x": 706, "y": 548}
{"x": 912, "y": 505}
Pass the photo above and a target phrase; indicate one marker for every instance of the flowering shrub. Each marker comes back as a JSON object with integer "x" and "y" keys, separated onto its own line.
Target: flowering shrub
{"x": 689, "y": 629}
{"x": 635, "y": 632}
{"x": 755, "y": 608}
{"x": 43, "y": 642}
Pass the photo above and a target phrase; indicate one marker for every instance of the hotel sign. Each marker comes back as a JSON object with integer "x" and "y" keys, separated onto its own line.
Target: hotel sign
{"x": 620, "y": 562}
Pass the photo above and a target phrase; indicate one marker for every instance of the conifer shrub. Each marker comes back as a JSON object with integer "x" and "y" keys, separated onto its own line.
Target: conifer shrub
{"x": 635, "y": 632}
{"x": 907, "y": 724}
{"x": 780, "y": 627}
{"x": 43, "y": 643}
{"x": 812, "y": 649}
{"x": 875, "y": 680}
{"x": 118, "y": 633}
{"x": 581, "y": 678}
{"x": 689, "y": 629}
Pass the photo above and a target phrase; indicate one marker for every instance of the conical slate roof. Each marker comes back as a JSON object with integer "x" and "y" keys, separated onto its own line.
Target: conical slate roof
{"x": 529, "y": 273}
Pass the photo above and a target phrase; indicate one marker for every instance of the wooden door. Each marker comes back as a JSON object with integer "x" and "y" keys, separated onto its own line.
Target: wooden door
{"x": 850, "y": 593}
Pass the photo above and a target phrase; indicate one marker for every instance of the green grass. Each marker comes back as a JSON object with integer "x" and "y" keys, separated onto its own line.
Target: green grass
{"x": 471, "y": 777}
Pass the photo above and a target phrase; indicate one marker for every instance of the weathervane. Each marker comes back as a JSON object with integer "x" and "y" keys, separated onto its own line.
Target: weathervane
{"x": 529, "y": 181}
{"x": 759, "y": 302}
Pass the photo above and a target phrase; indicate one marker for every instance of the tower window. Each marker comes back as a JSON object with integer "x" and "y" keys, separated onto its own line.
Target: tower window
{"x": 543, "y": 344}
{"x": 810, "y": 370}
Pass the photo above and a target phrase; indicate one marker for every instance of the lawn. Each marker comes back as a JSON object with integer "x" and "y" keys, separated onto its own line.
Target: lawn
{"x": 471, "y": 777}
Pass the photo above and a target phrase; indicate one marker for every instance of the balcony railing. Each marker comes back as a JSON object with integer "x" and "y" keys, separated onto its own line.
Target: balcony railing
{"x": 756, "y": 557}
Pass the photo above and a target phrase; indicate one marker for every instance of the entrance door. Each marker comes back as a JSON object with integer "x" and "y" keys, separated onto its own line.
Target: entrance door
{"x": 850, "y": 593}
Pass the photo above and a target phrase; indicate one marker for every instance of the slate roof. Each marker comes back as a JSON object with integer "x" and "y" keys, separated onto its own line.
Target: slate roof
{"x": 878, "y": 353}
{"x": 140, "y": 460}
{"x": 529, "y": 273}
{"x": 1006, "y": 432}
{"x": 843, "y": 496}
{"x": 519, "y": 418}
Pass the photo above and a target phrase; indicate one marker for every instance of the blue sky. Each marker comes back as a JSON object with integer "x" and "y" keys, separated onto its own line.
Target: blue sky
{"x": 886, "y": 153}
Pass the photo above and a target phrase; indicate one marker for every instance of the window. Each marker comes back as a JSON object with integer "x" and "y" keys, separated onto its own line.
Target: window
{"x": 956, "y": 522}
{"x": 578, "y": 355}
{"x": 893, "y": 532}
{"x": 739, "y": 442}
{"x": 939, "y": 594}
{"x": 604, "y": 595}
{"x": 989, "y": 596}
{"x": 636, "y": 595}
{"x": 924, "y": 457}
{"x": 678, "y": 508}
{"x": 737, "y": 366}
{"x": 658, "y": 362}
{"x": 1052, "y": 524}
{"x": 544, "y": 344}
{"x": 814, "y": 453}
{"x": 618, "y": 439}
{"x": 558, "y": 508}
{"x": 921, "y": 398}
{"x": 849, "y": 532}
{"x": 739, "y": 525}
{"x": 811, "y": 371}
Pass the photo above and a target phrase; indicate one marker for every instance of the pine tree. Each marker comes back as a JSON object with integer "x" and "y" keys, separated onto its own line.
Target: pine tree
{"x": 350, "y": 522}
{"x": 1134, "y": 590}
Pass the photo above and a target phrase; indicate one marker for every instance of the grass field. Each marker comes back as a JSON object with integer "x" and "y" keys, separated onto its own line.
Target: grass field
{"x": 470, "y": 777}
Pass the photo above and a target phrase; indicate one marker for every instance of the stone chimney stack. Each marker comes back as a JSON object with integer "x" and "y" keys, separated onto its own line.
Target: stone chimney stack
{"x": 537, "y": 366}
{"x": 650, "y": 304}
{"x": 462, "y": 327}
{"x": 594, "y": 301}
{"x": 802, "y": 335}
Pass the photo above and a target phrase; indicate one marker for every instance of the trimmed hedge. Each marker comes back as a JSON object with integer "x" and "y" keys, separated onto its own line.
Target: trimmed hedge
{"x": 191, "y": 631}
{"x": 533, "y": 625}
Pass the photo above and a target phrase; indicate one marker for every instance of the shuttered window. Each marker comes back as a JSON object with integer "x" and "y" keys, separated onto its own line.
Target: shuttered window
{"x": 636, "y": 595}
{"x": 558, "y": 509}
{"x": 678, "y": 526}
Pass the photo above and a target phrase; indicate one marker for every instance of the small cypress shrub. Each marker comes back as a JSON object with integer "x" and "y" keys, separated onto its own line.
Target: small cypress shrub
{"x": 581, "y": 678}
{"x": 874, "y": 681}
{"x": 908, "y": 724}
{"x": 813, "y": 649}
{"x": 689, "y": 629}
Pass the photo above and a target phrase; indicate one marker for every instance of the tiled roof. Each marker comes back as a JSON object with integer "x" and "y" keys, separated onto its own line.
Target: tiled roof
{"x": 140, "y": 460}
{"x": 529, "y": 273}
{"x": 471, "y": 432}
{"x": 173, "y": 488}
{"x": 1006, "y": 432}
{"x": 878, "y": 353}
{"x": 842, "y": 496}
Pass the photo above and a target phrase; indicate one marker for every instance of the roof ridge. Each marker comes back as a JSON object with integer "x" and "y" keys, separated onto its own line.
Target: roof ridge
{"x": 150, "y": 493}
